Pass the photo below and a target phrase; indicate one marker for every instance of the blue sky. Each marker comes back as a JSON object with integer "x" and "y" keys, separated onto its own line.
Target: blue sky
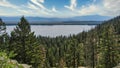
{"x": 59, "y": 8}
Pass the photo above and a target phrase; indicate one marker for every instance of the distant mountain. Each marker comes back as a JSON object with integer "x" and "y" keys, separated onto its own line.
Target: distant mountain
{"x": 91, "y": 18}
{"x": 39, "y": 20}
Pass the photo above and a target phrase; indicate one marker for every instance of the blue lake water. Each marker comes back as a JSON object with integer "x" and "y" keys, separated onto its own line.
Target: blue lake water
{"x": 55, "y": 30}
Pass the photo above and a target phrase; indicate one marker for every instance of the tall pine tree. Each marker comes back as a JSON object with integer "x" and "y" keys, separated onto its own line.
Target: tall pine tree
{"x": 3, "y": 35}
{"x": 24, "y": 43}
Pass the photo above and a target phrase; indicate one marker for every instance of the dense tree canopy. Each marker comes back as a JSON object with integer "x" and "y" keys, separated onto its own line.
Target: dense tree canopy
{"x": 97, "y": 48}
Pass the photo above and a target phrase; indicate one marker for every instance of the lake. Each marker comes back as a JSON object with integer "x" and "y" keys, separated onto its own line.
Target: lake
{"x": 55, "y": 30}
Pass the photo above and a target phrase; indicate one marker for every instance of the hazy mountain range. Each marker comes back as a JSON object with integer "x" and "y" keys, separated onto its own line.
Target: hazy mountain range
{"x": 42, "y": 20}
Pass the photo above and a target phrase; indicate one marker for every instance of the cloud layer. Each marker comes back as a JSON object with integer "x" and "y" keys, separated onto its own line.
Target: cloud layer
{"x": 38, "y": 8}
{"x": 72, "y": 6}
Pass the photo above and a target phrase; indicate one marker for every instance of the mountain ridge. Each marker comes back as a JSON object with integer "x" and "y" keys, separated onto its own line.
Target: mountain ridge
{"x": 39, "y": 20}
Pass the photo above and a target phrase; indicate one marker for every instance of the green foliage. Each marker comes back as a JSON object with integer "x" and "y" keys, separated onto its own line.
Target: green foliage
{"x": 2, "y": 27}
{"x": 25, "y": 44}
{"x": 97, "y": 48}
{"x": 3, "y": 35}
{"x": 5, "y": 62}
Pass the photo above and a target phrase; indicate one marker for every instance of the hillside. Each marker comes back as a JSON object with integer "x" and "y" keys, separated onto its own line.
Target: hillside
{"x": 96, "y": 48}
{"x": 99, "y": 47}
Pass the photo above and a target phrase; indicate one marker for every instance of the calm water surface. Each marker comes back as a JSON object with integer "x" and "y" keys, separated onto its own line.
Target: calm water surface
{"x": 56, "y": 30}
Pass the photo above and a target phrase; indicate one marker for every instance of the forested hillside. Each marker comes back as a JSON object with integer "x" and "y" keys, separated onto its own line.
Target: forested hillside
{"x": 97, "y": 48}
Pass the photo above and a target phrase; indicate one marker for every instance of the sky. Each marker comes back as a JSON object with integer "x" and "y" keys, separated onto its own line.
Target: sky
{"x": 59, "y": 8}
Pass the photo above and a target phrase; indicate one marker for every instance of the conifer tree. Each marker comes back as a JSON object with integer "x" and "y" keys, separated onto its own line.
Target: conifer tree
{"x": 2, "y": 27}
{"x": 109, "y": 50}
{"x": 25, "y": 44}
{"x": 3, "y": 35}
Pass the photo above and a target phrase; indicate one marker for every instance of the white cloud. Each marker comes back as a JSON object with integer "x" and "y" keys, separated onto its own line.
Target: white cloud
{"x": 54, "y": 9}
{"x": 42, "y": 1}
{"x": 37, "y": 11}
{"x": 73, "y": 4}
{"x": 105, "y": 8}
{"x": 33, "y": 10}
{"x": 32, "y": 6}
{"x": 88, "y": 10}
{"x": 111, "y": 7}
{"x": 5, "y": 3}
{"x": 36, "y": 2}
{"x": 37, "y": 8}
{"x": 22, "y": 11}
